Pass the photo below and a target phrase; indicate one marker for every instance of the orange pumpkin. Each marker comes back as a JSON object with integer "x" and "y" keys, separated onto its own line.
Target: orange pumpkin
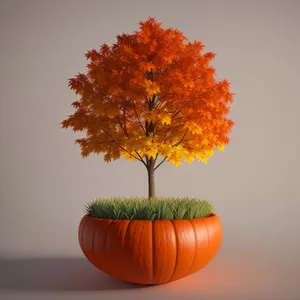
{"x": 150, "y": 252}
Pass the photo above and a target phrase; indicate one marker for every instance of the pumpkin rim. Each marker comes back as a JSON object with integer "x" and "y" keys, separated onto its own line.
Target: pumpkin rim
{"x": 107, "y": 219}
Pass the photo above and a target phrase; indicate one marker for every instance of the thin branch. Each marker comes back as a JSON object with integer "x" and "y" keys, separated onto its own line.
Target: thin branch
{"x": 166, "y": 130}
{"x": 169, "y": 136}
{"x": 112, "y": 141}
{"x": 163, "y": 95}
{"x": 121, "y": 146}
{"x": 172, "y": 146}
{"x": 176, "y": 144}
{"x": 160, "y": 163}
{"x": 124, "y": 117}
{"x": 173, "y": 131}
{"x": 180, "y": 118}
{"x": 138, "y": 117}
{"x": 180, "y": 109}
{"x": 141, "y": 158}
{"x": 124, "y": 129}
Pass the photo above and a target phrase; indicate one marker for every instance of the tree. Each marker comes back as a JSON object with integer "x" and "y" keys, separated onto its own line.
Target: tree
{"x": 152, "y": 93}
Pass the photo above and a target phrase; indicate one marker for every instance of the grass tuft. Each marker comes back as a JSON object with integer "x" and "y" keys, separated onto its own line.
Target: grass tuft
{"x": 141, "y": 208}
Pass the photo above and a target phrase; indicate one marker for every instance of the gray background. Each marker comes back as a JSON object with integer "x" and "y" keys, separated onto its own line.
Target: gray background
{"x": 45, "y": 183}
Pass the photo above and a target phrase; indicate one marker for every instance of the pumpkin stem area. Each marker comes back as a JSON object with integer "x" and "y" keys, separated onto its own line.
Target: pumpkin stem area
{"x": 145, "y": 208}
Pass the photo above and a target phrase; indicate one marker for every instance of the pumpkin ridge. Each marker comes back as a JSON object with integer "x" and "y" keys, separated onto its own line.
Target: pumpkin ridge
{"x": 125, "y": 233}
{"x": 105, "y": 241}
{"x": 137, "y": 233}
{"x": 176, "y": 246}
{"x": 195, "y": 252}
{"x": 152, "y": 270}
{"x": 93, "y": 241}
{"x": 80, "y": 233}
{"x": 146, "y": 231}
{"x": 139, "y": 223}
{"x": 208, "y": 241}
{"x": 130, "y": 235}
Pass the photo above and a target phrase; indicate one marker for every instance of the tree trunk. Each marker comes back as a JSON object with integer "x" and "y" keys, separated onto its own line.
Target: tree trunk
{"x": 151, "y": 182}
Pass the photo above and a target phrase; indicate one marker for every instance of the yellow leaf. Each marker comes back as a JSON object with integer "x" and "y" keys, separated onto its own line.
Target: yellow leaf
{"x": 204, "y": 142}
{"x": 175, "y": 161}
{"x": 152, "y": 153}
{"x": 151, "y": 88}
{"x": 221, "y": 148}
{"x": 166, "y": 119}
{"x": 202, "y": 157}
{"x": 210, "y": 152}
{"x": 148, "y": 142}
{"x": 189, "y": 158}
{"x": 164, "y": 149}
{"x": 127, "y": 156}
{"x": 193, "y": 127}
{"x": 150, "y": 116}
{"x": 188, "y": 84}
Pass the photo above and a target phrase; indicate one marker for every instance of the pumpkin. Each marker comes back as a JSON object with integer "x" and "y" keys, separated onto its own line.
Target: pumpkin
{"x": 150, "y": 252}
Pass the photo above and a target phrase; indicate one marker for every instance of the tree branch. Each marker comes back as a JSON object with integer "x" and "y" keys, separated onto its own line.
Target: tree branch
{"x": 180, "y": 109}
{"x": 124, "y": 117}
{"x": 176, "y": 144}
{"x": 124, "y": 129}
{"x": 141, "y": 159}
{"x": 168, "y": 136}
{"x": 134, "y": 108}
{"x": 160, "y": 163}
{"x": 172, "y": 132}
{"x": 121, "y": 146}
{"x": 112, "y": 141}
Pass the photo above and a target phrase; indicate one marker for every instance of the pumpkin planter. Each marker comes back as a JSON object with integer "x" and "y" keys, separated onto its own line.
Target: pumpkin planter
{"x": 150, "y": 252}
{"x": 151, "y": 97}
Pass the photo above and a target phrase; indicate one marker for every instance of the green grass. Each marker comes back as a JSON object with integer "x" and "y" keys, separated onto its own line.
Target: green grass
{"x": 158, "y": 208}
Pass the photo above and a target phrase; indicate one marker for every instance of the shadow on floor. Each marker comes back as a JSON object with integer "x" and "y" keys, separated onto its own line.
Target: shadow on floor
{"x": 56, "y": 274}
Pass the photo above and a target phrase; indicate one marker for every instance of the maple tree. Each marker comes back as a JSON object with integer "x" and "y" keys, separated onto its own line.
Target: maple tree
{"x": 151, "y": 94}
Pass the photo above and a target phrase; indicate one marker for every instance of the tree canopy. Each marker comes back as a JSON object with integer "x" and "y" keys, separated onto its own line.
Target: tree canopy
{"x": 151, "y": 93}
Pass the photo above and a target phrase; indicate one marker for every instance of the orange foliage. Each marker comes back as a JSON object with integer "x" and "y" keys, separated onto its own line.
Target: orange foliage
{"x": 151, "y": 93}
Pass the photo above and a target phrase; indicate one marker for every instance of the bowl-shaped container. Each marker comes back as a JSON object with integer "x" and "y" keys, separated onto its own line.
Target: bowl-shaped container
{"x": 150, "y": 252}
